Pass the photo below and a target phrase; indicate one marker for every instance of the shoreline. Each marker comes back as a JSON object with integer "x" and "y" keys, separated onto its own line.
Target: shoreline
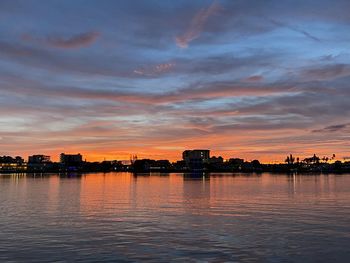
{"x": 166, "y": 173}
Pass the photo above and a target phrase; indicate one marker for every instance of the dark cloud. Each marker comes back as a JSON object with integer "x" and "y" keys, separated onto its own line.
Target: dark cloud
{"x": 327, "y": 72}
{"x": 333, "y": 128}
{"x": 196, "y": 91}
{"x": 256, "y": 78}
{"x": 76, "y": 41}
{"x": 46, "y": 59}
{"x": 294, "y": 28}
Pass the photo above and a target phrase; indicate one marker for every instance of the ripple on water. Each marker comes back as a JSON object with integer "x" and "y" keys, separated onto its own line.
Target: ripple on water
{"x": 122, "y": 218}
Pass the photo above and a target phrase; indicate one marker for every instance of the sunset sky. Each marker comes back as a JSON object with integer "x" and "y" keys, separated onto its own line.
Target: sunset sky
{"x": 250, "y": 79}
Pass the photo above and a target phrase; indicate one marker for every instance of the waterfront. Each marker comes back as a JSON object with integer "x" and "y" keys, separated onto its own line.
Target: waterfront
{"x": 119, "y": 217}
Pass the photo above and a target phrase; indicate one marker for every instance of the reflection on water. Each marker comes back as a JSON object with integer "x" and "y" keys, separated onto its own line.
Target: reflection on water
{"x": 174, "y": 217}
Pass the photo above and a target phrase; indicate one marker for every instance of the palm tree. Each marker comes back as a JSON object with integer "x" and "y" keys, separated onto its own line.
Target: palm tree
{"x": 315, "y": 159}
{"x": 287, "y": 160}
{"x": 290, "y": 159}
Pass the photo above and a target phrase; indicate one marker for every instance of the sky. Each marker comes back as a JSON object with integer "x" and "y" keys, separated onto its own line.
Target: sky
{"x": 244, "y": 78}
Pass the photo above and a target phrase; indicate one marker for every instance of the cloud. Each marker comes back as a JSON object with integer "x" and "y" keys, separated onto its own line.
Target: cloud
{"x": 197, "y": 24}
{"x": 147, "y": 95}
{"x": 255, "y": 78}
{"x": 327, "y": 72}
{"x": 205, "y": 92}
{"x": 50, "y": 60}
{"x": 294, "y": 28}
{"x": 333, "y": 128}
{"x": 76, "y": 41}
{"x": 155, "y": 70}
{"x": 208, "y": 66}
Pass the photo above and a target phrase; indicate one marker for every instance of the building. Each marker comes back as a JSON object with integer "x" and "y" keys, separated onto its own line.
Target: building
{"x": 71, "y": 158}
{"x": 189, "y": 155}
{"x": 39, "y": 163}
{"x": 196, "y": 159}
{"x": 9, "y": 159}
{"x": 71, "y": 161}
{"x": 10, "y": 164}
{"x": 39, "y": 159}
{"x": 216, "y": 160}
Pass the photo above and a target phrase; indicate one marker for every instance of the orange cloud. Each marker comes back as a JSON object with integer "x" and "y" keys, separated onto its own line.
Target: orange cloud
{"x": 197, "y": 24}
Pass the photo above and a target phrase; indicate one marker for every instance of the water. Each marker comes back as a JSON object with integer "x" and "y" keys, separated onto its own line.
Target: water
{"x": 171, "y": 218}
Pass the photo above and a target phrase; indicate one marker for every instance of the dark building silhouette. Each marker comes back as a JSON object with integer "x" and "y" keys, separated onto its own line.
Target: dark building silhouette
{"x": 111, "y": 165}
{"x": 10, "y": 164}
{"x": 179, "y": 165}
{"x": 236, "y": 164}
{"x": 216, "y": 163}
{"x": 71, "y": 162}
{"x": 143, "y": 165}
{"x": 39, "y": 163}
{"x": 161, "y": 165}
{"x": 216, "y": 160}
{"x": 9, "y": 159}
{"x": 71, "y": 158}
{"x": 196, "y": 159}
{"x": 147, "y": 165}
{"x": 39, "y": 159}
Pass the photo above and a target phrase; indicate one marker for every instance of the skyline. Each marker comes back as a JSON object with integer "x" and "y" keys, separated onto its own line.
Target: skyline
{"x": 132, "y": 158}
{"x": 108, "y": 79}
{"x": 195, "y": 162}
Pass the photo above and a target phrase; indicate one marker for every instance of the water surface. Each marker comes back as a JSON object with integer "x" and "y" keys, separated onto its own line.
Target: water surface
{"x": 119, "y": 217}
